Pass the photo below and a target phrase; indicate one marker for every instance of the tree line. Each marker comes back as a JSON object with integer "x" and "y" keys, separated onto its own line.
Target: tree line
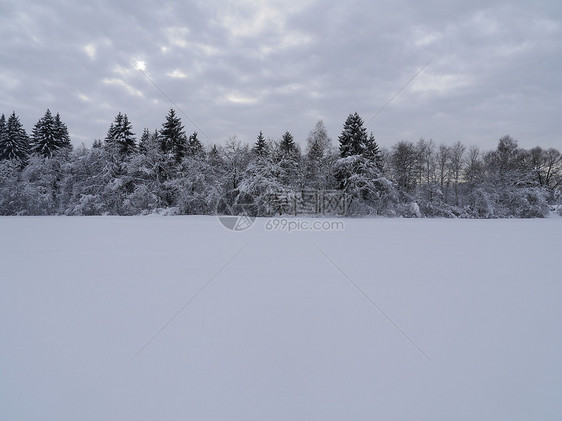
{"x": 168, "y": 171}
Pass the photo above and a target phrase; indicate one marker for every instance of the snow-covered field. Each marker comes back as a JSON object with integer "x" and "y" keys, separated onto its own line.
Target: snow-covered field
{"x": 471, "y": 329}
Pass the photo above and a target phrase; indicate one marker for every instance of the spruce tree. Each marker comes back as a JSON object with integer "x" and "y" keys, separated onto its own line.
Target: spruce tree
{"x": 42, "y": 140}
{"x": 172, "y": 137}
{"x": 15, "y": 142}
{"x": 120, "y": 135}
{"x": 147, "y": 140}
{"x": 127, "y": 139}
{"x": 194, "y": 146}
{"x": 260, "y": 147}
{"x": 144, "y": 139}
{"x": 3, "y": 130}
{"x": 61, "y": 134}
{"x": 372, "y": 152}
{"x": 287, "y": 144}
{"x": 289, "y": 162}
{"x": 358, "y": 170}
{"x": 353, "y": 138}
{"x": 109, "y": 138}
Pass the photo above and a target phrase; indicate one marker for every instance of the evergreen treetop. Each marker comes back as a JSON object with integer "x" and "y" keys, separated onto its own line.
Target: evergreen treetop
{"x": 172, "y": 136}
{"x": 120, "y": 134}
{"x": 49, "y": 136}
{"x": 14, "y": 143}
{"x": 260, "y": 147}
{"x": 353, "y": 138}
{"x": 372, "y": 152}
{"x": 144, "y": 139}
{"x": 194, "y": 145}
{"x": 61, "y": 133}
{"x": 287, "y": 144}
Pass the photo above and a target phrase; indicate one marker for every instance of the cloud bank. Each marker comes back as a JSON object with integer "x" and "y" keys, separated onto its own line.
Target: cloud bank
{"x": 235, "y": 68}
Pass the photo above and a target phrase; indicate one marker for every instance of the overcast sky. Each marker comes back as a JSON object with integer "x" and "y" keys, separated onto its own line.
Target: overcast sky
{"x": 238, "y": 67}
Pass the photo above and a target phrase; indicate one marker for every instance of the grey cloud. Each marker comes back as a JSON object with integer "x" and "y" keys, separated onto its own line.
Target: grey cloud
{"x": 241, "y": 67}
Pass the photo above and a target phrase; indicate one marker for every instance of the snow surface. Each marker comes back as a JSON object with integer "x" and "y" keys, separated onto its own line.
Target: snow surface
{"x": 280, "y": 333}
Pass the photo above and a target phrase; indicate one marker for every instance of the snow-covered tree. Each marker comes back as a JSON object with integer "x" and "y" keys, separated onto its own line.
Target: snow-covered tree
{"x": 260, "y": 185}
{"x": 318, "y": 160}
{"x": 61, "y": 134}
{"x": 372, "y": 152}
{"x": 151, "y": 170}
{"x": 353, "y": 138}
{"x": 358, "y": 170}
{"x": 318, "y": 139}
{"x": 43, "y": 141}
{"x": 260, "y": 147}
{"x": 49, "y": 136}
{"x": 235, "y": 157}
{"x": 11, "y": 188}
{"x": 145, "y": 139}
{"x": 287, "y": 157}
{"x": 14, "y": 144}
{"x": 404, "y": 159}
{"x": 194, "y": 146}
{"x": 547, "y": 168}
{"x": 474, "y": 172}
{"x": 42, "y": 180}
{"x": 120, "y": 134}
{"x": 287, "y": 144}
{"x": 173, "y": 140}
{"x": 442, "y": 169}
{"x": 456, "y": 163}
{"x": 3, "y": 132}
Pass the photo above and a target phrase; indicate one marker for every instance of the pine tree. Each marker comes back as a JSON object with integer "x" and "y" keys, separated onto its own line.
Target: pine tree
{"x": 114, "y": 128}
{"x": 15, "y": 142}
{"x": 127, "y": 138}
{"x": 3, "y": 132}
{"x": 144, "y": 139}
{"x": 287, "y": 144}
{"x": 353, "y": 139}
{"x": 61, "y": 134}
{"x": 194, "y": 146}
{"x": 358, "y": 170}
{"x": 43, "y": 140}
{"x": 260, "y": 147}
{"x": 372, "y": 152}
{"x": 148, "y": 139}
{"x": 288, "y": 158}
{"x": 120, "y": 135}
{"x": 172, "y": 137}
{"x": 109, "y": 138}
